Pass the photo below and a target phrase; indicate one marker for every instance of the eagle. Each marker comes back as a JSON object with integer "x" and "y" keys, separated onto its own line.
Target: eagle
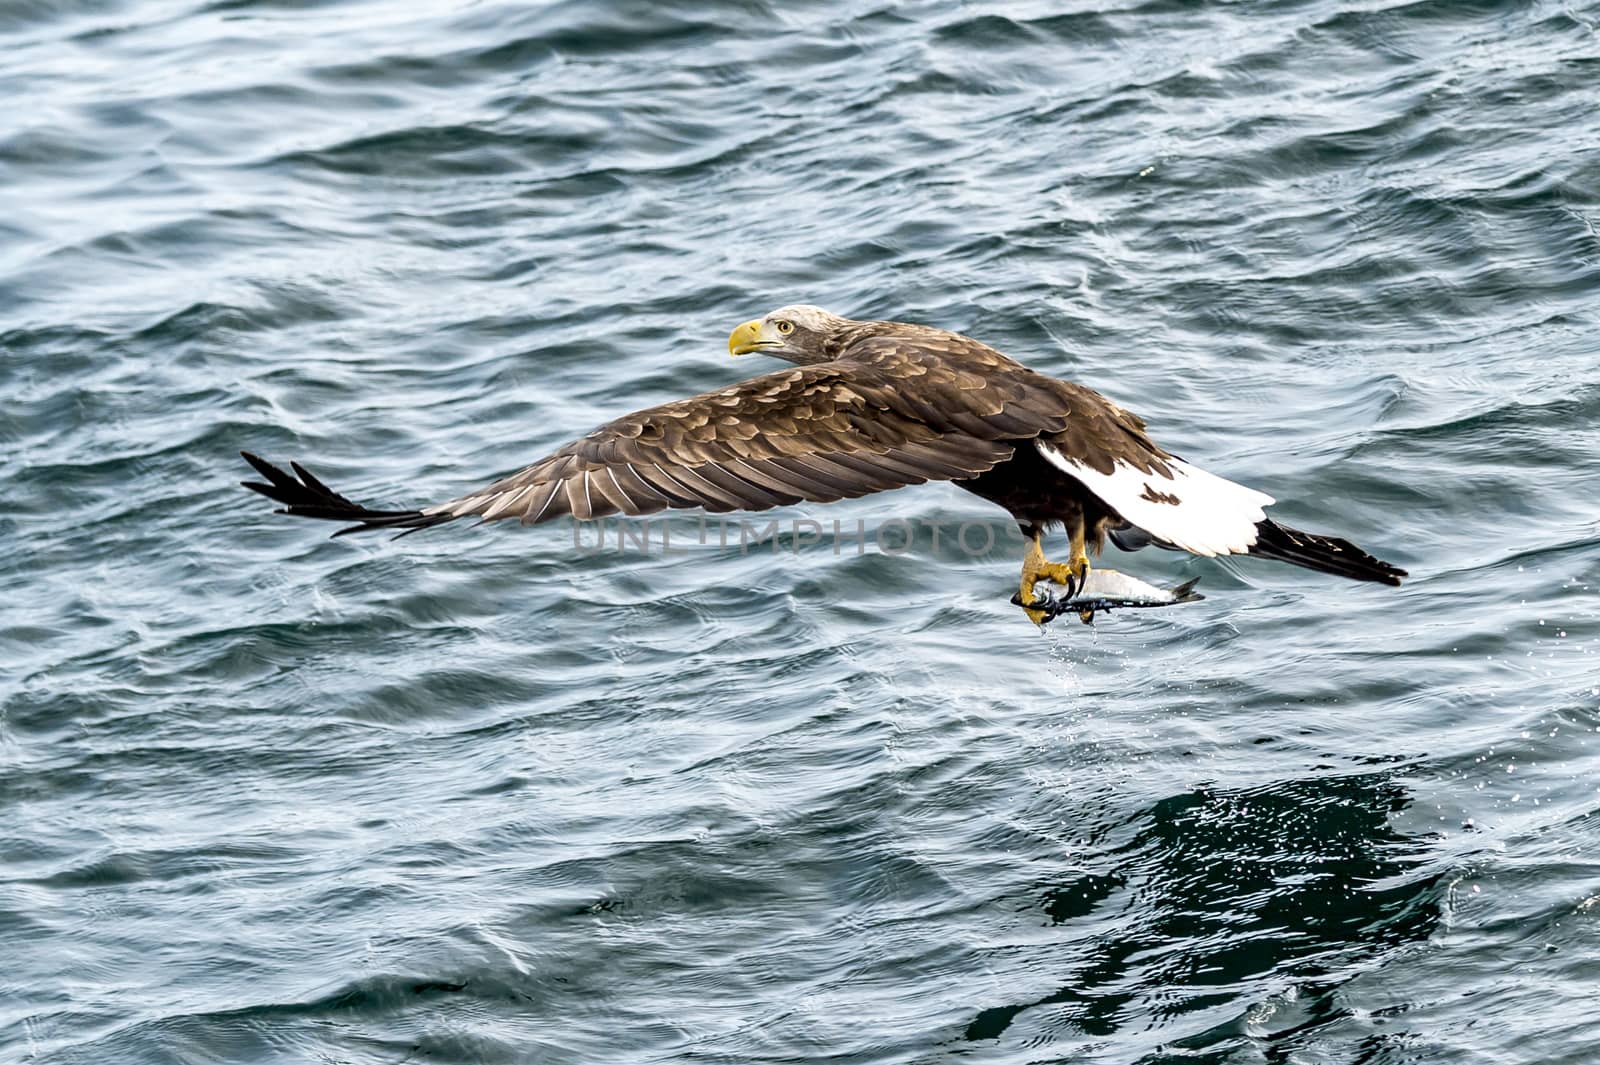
{"x": 867, "y": 407}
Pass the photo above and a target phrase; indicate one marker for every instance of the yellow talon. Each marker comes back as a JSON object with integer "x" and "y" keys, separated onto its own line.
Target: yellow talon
{"x": 1078, "y": 564}
{"x": 1078, "y": 569}
{"x": 1035, "y": 568}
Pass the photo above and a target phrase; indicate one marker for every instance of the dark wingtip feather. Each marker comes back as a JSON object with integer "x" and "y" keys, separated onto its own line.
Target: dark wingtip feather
{"x": 305, "y": 496}
{"x": 309, "y": 479}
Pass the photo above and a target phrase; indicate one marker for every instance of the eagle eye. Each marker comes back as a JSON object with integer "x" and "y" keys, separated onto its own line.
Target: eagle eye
{"x": 784, "y": 326}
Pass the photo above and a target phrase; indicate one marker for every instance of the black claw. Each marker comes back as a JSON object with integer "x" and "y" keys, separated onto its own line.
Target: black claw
{"x": 1050, "y": 607}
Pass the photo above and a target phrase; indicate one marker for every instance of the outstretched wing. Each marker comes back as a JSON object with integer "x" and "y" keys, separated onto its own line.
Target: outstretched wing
{"x": 813, "y": 433}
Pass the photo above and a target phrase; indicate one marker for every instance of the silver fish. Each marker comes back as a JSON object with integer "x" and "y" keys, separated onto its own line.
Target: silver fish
{"x": 1108, "y": 589}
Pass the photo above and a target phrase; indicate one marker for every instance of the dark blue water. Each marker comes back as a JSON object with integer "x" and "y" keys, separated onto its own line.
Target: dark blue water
{"x": 485, "y": 796}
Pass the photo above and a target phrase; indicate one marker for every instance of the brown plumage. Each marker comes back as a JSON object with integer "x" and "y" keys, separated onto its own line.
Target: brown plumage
{"x": 872, "y": 406}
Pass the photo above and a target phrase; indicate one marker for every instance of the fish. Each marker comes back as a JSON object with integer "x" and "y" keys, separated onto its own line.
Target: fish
{"x": 1107, "y": 590}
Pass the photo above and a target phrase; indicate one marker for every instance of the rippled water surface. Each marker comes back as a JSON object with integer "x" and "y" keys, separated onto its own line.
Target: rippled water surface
{"x": 481, "y": 796}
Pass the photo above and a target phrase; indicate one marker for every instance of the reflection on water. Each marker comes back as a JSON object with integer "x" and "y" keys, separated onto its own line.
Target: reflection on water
{"x": 1297, "y": 880}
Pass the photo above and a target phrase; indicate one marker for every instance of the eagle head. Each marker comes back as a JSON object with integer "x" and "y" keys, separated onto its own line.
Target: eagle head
{"x": 799, "y": 333}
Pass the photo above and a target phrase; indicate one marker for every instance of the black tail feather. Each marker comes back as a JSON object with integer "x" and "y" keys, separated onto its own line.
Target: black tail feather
{"x": 1325, "y": 554}
{"x": 308, "y": 497}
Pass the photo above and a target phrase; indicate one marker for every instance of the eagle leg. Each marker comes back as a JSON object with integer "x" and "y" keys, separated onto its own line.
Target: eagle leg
{"x": 1078, "y": 564}
{"x": 1035, "y": 567}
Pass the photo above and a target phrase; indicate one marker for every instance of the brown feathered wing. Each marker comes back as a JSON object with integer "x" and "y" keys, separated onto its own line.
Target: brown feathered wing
{"x": 895, "y": 411}
{"x": 815, "y": 433}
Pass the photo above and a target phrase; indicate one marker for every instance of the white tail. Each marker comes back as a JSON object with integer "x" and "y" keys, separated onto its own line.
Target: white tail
{"x": 1195, "y": 510}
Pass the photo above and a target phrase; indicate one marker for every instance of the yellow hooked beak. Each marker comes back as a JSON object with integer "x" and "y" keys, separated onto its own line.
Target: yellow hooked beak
{"x": 746, "y": 338}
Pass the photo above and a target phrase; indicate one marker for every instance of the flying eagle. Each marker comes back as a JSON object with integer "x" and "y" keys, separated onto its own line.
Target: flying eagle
{"x": 870, "y": 406}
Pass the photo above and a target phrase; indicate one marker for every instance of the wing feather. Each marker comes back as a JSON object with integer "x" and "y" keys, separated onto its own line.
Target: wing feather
{"x": 712, "y": 496}
{"x": 506, "y": 501}
{"x": 649, "y": 499}
{"x": 551, "y": 499}
{"x": 751, "y": 496}
{"x": 762, "y": 473}
{"x": 815, "y": 482}
{"x": 899, "y": 405}
{"x": 818, "y": 433}
{"x": 669, "y": 485}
